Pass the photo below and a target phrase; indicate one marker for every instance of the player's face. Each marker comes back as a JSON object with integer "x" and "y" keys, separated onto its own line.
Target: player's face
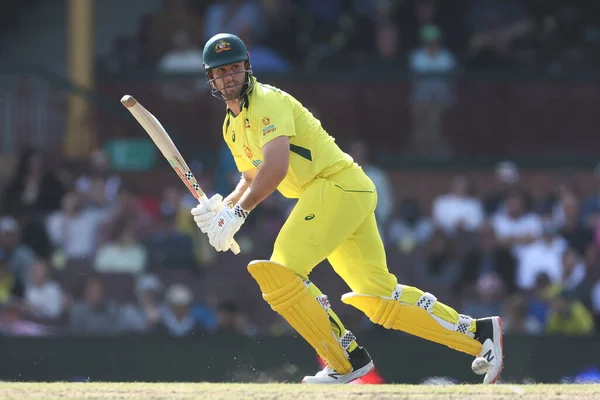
{"x": 229, "y": 80}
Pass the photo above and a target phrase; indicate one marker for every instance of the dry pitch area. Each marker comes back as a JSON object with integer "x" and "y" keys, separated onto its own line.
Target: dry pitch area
{"x": 217, "y": 391}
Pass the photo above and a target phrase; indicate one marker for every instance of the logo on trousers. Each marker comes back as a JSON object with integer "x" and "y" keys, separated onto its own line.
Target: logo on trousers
{"x": 309, "y": 217}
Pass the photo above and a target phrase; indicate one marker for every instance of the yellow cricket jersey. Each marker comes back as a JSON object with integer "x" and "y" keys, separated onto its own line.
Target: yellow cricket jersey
{"x": 267, "y": 113}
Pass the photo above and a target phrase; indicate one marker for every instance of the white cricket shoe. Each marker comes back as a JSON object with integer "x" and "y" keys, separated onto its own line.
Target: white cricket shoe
{"x": 361, "y": 365}
{"x": 491, "y": 358}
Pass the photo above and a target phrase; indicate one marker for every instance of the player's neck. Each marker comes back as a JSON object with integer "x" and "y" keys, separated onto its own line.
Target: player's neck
{"x": 235, "y": 106}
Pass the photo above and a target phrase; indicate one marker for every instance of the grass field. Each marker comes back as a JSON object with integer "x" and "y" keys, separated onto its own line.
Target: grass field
{"x": 221, "y": 391}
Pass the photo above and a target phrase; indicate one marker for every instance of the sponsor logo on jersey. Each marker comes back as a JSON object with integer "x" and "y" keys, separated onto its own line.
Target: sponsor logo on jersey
{"x": 266, "y": 121}
{"x": 269, "y": 129}
{"x": 247, "y": 123}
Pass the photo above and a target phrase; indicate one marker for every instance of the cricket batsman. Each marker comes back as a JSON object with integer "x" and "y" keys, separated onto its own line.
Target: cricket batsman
{"x": 278, "y": 144}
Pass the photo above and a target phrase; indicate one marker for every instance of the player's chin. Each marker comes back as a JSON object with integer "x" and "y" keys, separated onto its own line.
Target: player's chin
{"x": 231, "y": 94}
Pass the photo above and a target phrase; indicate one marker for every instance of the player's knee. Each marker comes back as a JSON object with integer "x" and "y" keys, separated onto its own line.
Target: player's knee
{"x": 378, "y": 286}
{"x": 298, "y": 268}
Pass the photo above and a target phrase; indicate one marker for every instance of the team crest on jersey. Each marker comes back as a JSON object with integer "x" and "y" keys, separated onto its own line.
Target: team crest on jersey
{"x": 247, "y": 123}
{"x": 222, "y": 46}
{"x": 248, "y": 152}
{"x": 266, "y": 121}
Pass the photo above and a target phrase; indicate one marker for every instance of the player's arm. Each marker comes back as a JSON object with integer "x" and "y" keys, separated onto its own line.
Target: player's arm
{"x": 276, "y": 161}
{"x": 242, "y": 186}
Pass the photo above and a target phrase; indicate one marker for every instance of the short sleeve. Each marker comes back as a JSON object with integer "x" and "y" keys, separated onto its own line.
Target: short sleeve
{"x": 277, "y": 121}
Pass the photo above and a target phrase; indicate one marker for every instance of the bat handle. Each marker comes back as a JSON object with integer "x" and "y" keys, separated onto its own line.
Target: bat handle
{"x": 235, "y": 248}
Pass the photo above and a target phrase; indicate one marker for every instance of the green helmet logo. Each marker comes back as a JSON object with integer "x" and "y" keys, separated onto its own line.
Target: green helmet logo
{"x": 222, "y": 46}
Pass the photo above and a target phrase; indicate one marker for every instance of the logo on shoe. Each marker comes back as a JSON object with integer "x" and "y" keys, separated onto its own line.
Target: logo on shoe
{"x": 221, "y": 222}
{"x": 309, "y": 217}
{"x": 488, "y": 356}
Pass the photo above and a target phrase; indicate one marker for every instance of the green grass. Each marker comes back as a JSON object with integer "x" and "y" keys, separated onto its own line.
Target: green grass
{"x": 221, "y": 391}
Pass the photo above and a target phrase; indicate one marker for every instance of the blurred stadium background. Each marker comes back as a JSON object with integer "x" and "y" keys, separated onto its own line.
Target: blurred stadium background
{"x": 477, "y": 120}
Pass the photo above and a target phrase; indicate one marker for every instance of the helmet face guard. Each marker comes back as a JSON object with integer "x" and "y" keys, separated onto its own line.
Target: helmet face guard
{"x": 246, "y": 86}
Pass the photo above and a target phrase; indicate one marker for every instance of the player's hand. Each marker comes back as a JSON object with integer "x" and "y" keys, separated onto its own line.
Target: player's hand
{"x": 205, "y": 213}
{"x": 226, "y": 224}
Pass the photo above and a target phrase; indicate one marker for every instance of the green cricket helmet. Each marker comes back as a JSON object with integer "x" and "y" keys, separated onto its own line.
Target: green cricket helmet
{"x": 224, "y": 49}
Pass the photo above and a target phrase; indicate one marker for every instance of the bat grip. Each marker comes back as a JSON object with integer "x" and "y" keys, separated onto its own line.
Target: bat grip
{"x": 235, "y": 248}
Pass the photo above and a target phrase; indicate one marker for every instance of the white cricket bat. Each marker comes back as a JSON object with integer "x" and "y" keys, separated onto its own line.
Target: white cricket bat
{"x": 163, "y": 141}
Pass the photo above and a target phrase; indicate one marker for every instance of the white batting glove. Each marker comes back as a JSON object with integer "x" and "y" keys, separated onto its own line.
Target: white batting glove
{"x": 205, "y": 213}
{"x": 225, "y": 225}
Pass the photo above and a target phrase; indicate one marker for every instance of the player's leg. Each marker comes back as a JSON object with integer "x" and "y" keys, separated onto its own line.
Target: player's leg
{"x": 361, "y": 262}
{"x": 313, "y": 230}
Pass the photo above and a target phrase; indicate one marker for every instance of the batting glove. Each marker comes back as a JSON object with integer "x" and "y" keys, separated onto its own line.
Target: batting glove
{"x": 205, "y": 213}
{"x": 225, "y": 225}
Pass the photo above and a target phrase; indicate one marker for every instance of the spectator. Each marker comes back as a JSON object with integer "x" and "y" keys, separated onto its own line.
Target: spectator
{"x": 8, "y": 284}
{"x": 262, "y": 57}
{"x": 233, "y": 16}
{"x": 409, "y": 228}
{"x": 514, "y": 225}
{"x": 145, "y": 316}
{"x": 158, "y": 29}
{"x": 542, "y": 256}
{"x": 506, "y": 178}
{"x": 516, "y": 318}
{"x": 579, "y": 237}
{"x": 595, "y": 301}
{"x": 99, "y": 173}
{"x": 14, "y": 323}
{"x": 124, "y": 56}
{"x": 590, "y": 213}
{"x": 573, "y": 271}
{"x": 440, "y": 265}
{"x": 125, "y": 254}
{"x": 94, "y": 314}
{"x": 168, "y": 247}
{"x": 487, "y": 257}
{"x": 74, "y": 229}
{"x": 431, "y": 92}
{"x": 489, "y": 293}
{"x": 496, "y": 25}
{"x": 205, "y": 314}
{"x": 43, "y": 296}
{"x": 569, "y": 317}
{"x": 458, "y": 209}
{"x": 387, "y": 43}
{"x": 177, "y": 318}
{"x": 33, "y": 188}
{"x": 184, "y": 57}
{"x": 232, "y": 320}
{"x": 127, "y": 208}
{"x": 20, "y": 257}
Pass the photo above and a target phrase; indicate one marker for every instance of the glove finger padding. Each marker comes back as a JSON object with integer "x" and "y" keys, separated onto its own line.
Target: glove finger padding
{"x": 214, "y": 204}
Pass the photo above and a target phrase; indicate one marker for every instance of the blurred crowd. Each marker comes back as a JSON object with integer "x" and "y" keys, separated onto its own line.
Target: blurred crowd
{"x": 418, "y": 35}
{"x": 82, "y": 253}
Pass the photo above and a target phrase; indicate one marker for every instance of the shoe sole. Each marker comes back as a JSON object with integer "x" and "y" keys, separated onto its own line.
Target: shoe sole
{"x": 498, "y": 332}
{"x": 359, "y": 373}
